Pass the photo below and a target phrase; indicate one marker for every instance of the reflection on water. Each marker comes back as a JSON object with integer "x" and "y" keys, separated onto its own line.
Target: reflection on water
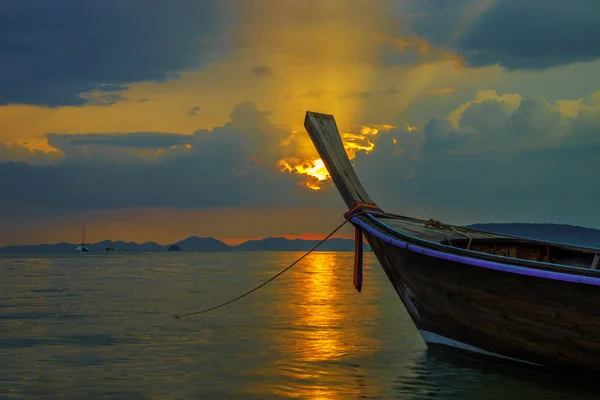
{"x": 437, "y": 375}
{"x": 317, "y": 310}
{"x": 326, "y": 310}
{"x": 101, "y": 326}
{"x": 328, "y": 318}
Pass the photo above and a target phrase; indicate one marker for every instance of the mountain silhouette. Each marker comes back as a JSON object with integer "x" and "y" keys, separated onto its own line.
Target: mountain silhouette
{"x": 577, "y": 235}
{"x": 201, "y": 244}
{"x": 553, "y": 232}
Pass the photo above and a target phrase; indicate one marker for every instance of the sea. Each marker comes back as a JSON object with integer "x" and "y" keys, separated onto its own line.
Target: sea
{"x": 101, "y": 326}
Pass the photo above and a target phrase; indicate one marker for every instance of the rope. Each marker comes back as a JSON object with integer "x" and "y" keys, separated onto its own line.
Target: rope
{"x": 438, "y": 225}
{"x": 178, "y": 316}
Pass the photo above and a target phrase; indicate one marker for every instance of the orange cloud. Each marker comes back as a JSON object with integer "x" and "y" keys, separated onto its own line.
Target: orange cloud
{"x": 315, "y": 169}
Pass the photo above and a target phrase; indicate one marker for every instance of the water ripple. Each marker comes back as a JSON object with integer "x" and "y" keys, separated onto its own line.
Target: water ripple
{"x": 75, "y": 326}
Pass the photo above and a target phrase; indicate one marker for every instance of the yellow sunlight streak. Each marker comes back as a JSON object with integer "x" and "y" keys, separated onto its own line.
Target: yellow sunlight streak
{"x": 320, "y": 55}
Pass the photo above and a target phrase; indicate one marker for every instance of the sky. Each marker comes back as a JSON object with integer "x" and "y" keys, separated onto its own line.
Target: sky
{"x": 157, "y": 120}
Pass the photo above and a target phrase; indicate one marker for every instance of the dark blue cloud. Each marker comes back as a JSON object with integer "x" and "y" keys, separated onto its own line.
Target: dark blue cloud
{"x": 516, "y": 34}
{"x": 535, "y": 34}
{"x": 131, "y": 139}
{"x": 211, "y": 179}
{"x": 53, "y": 50}
{"x": 232, "y": 165}
{"x": 524, "y": 164}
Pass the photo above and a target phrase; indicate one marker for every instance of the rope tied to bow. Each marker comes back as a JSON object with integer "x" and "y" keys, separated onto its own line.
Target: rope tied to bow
{"x": 432, "y": 223}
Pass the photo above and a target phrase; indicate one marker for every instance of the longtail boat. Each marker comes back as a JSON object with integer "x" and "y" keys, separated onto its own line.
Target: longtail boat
{"x": 500, "y": 297}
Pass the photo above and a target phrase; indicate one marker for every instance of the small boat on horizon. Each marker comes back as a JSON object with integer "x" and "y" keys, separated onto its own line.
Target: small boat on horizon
{"x": 500, "y": 297}
{"x": 82, "y": 247}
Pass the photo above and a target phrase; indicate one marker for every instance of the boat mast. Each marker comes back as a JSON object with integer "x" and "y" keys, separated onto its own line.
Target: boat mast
{"x": 83, "y": 233}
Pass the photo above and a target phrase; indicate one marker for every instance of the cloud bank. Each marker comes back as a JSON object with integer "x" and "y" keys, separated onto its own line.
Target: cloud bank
{"x": 504, "y": 158}
{"x": 53, "y": 51}
{"x": 532, "y": 34}
{"x": 496, "y": 157}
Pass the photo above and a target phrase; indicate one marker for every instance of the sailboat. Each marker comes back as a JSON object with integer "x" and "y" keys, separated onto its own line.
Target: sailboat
{"x": 501, "y": 297}
{"x": 82, "y": 247}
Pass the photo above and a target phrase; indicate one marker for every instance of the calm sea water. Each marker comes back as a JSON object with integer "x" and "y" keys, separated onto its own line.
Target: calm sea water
{"x": 87, "y": 326}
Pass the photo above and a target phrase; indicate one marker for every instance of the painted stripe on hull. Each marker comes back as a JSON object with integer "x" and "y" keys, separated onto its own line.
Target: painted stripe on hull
{"x": 430, "y": 337}
{"x": 538, "y": 273}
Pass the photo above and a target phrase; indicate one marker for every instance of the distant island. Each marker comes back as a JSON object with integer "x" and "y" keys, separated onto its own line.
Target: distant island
{"x": 552, "y": 232}
{"x": 192, "y": 243}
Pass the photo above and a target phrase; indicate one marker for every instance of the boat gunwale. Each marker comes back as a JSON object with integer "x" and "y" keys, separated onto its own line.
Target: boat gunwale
{"x": 570, "y": 270}
{"x": 584, "y": 249}
{"x": 538, "y": 273}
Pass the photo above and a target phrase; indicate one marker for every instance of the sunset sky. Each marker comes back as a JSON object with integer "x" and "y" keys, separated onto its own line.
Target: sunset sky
{"x": 156, "y": 120}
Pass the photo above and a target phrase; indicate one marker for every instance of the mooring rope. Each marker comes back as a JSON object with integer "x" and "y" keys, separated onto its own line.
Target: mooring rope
{"x": 432, "y": 223}
{"x": 178, "y": 316}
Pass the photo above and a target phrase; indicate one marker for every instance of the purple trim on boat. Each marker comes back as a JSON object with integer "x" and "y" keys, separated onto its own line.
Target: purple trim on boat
{"x": 380, "y": 222}
{"x": 559, "y": 276}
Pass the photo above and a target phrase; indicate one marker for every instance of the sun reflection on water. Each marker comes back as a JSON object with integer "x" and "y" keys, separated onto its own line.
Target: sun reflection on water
{"x": 319, "y": 317}
{"x": 330, "y": 331}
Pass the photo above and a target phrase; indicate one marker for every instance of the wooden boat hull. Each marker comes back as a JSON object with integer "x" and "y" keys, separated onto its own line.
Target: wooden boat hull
{"x": 523, "y": 301}
{"x": 491, "y": 313}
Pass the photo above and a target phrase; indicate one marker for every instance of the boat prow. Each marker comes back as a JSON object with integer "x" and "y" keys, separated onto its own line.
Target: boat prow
{"x": 503, "y": 297}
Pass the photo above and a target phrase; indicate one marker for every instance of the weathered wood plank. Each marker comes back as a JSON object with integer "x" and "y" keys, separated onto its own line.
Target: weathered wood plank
{"x": 419, "y": 230}
{"x": 327, "y": 140}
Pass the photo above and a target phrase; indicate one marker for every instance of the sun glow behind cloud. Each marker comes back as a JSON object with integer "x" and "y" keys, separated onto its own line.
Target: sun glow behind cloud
{"x": 315, "y": 169}
{"x": 321, "y": 57}
{"x": 287, "y": 57}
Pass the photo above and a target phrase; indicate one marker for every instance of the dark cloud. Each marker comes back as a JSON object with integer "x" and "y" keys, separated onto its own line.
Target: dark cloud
{"x": 17, "y": 152}
{"x": 232, "y": 165}
{"x": 54, "y": 50}
{"x": 531, "y": 163}
{"x": 535, "y": 34}
{"x": 516, "y": 34}
{"x": 411, "y": 51}
{"x": 132, "y": 139}
{"x": 504, "y": 160}
{"x": 107, "y": 87}
{"x": 263, "y": 71}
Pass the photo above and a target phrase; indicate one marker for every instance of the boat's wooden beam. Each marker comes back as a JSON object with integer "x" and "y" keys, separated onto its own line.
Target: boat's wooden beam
{"x": 325, "y": 135}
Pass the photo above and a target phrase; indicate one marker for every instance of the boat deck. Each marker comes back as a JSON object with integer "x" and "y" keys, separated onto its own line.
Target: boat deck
{"x": 445, "y": 234}
{"x": 493, "y": 244}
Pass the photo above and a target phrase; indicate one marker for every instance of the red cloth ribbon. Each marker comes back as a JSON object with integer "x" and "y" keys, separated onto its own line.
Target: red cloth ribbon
{"x": 358, "y": 259}
{"x": 358, "y": 240}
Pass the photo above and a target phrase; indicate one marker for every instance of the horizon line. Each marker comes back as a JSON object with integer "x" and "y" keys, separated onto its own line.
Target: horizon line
{"x": 231, "y": 242}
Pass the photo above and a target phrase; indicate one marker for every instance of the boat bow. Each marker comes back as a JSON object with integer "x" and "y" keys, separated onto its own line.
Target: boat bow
{"x": 508, "y": 298}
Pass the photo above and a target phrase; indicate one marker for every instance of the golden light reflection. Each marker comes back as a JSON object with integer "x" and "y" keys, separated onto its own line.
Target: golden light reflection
{"x": 320, "y": 312}
{"x": 329, "y": 319}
